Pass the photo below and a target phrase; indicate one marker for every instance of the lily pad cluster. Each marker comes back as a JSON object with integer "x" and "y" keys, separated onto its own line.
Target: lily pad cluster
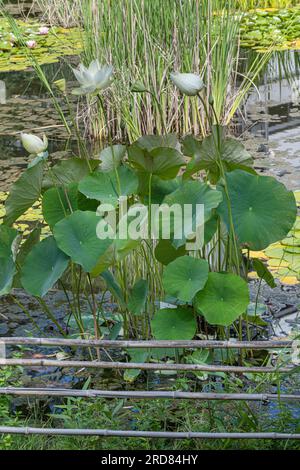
{"x": 45, "y": 44}
{"x": 280, "y": 28}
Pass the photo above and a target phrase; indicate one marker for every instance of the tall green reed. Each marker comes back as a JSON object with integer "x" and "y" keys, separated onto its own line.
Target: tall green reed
{"x": 145, "y": 41}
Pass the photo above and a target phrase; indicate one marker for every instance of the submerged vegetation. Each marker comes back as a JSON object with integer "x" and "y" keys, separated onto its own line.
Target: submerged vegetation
{"x": 166, "y": 219}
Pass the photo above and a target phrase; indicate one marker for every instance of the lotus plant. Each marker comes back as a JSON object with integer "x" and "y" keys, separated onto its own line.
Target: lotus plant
{"x": 189, "y": 84}
{"x": 94, "y": 78}
{"x": 35, "y": 146}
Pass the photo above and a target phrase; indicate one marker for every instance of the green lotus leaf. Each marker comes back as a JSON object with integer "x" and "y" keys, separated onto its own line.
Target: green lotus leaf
{"x": 138, "y": 297}
{"x": 58, "y": 202}
{"x": 104, "y": 186}
{"x": 174, "y": 324}
{"x": 263, "y": 210}
{"x": 263, "y": 272}
{"x": 24, "y": 193}
{"x": 114, "y": 287}
{"x": 76, "y": 236}
{"x": 184, "y": 277}
{"x": 151, "y": 142}
{"x": 69, "y": 171}
{"x": 159, "y": 188}
{"x": 31, "y": 240}
{"x": 165, "y": 252}
{"x": 43, "y": 266}
{"x": 205, "y": 155}
{"x": 111, "y": 157}
{"x": 164, "y": 162}
{"x": 193, "y": 193}
{"x": 224, "y": 298}
{"x": 8, "y": 237}
{"x": 105, "y": 261}
{"x": 136, "y": 355}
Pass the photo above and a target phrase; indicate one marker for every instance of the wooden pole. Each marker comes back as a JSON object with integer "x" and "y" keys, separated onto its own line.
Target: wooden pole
{"x": 142, "y": 366}
{"x": 61, "y": 392}
{"x": 209, "y": 344}
{"x": 146, "y": 434}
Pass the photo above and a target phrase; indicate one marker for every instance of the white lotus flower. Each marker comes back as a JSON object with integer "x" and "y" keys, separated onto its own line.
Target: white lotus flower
{"x": 188, "y": 83}
{"x": 93, "y": 78}
{"x": 34, "y": 144}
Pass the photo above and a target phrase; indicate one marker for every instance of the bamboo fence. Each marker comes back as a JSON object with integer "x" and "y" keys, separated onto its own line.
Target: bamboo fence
{"x": 106, "y": 344}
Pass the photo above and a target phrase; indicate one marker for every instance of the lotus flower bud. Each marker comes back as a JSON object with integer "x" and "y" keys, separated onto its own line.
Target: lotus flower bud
{"x": 34, "y": 144}
{"x": 189, "y": 84}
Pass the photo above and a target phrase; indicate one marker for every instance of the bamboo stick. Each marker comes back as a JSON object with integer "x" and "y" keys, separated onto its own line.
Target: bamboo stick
{"x": 142, "y": 366}
{"x": 209, "y": 344}
{"x": 61, "y": 392}
{"x": 146, "y": 434}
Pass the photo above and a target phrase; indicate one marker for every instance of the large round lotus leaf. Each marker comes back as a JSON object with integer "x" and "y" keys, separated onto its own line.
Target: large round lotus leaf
{"x": 104, "y": 186}
{"x": 58, "y": 202}
{"x": 111, "y": 157}
{"x": 174, "y": 324}
{"x": 184, "y": 277}
{"x": 151, "y": 142}
{"x": 43, "y": 267}
{"x": 164, "y": 162}
{"x": 69, "y": 171}
{"x": 194, "y": 194}
{"x": 263, "y": 210}
{"x": 165, "y": 252}
{"x": 224, "y": 298}
{"x": 76, "y": 236}
{"x": 205, "y": 154}
{"x": 159, "y": 188}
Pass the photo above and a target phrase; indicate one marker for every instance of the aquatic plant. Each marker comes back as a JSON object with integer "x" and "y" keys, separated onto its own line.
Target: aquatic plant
{"x": 34, "y": 144}
{"x": 44, "y": 44}
{"x": 241, "y": 210}
{"x": 278, "y": 28}
{"x": 150, "y": 40}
